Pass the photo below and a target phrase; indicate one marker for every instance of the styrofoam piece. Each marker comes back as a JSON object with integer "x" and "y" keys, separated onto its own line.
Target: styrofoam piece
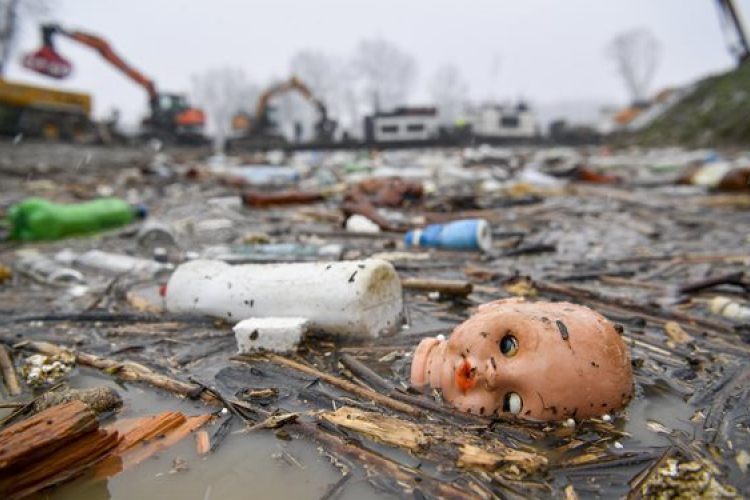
{"x": 270, "y": 334}
{"x": 361, "y": 224}
{"x": 361, "y": 298}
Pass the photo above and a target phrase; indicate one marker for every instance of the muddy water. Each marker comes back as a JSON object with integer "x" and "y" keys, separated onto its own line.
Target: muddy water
{"x": 259, "y": 465}
{"x": 256, "y": 465}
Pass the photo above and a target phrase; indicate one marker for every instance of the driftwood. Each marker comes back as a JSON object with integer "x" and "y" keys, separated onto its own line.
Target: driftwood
{"x": 144, "y": 437}
{"x": 98, "y": 399}
{"x": 345, "y": 385}
{"x": 126, "y": 370}
{"x": 411, "y": 480}
{"x": 52, "y": 446}
{"x": 64, "y": 441}
{"x": 466, "y": 450}
{"x": 202, "y": 442}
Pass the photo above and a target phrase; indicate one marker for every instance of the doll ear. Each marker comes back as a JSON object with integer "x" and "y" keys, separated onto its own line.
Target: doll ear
{"x": 495, "y": 304}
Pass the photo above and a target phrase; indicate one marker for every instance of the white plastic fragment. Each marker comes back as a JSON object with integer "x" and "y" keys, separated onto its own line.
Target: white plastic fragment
{"x": 361, "y": 224}
{"x": 730, "y": 309}
{"x": 280, "y": 335}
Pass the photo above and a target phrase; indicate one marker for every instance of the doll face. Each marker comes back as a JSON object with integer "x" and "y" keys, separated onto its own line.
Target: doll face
{"x": 543, "y": 361}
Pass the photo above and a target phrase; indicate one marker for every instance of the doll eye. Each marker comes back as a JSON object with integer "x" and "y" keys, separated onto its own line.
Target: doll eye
{"x": 509, "y": 345}
{"x": 512, "y": 403}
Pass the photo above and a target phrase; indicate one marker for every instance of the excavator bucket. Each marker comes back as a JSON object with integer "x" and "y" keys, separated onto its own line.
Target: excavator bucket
{"x": 48, "y": 62}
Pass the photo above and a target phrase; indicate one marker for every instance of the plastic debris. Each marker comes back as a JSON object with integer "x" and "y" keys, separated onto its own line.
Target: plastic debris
{"x": 542, "y": 361}
{"x": 730, "y": 309}
{"x": 348, "y": 298}
{"x": 273, "y": 252}
{"x": 262, "y": 199}
{"x": 270, "y": 334}
{"x": 361, "y": 224}
{"x": 6, "y": 273}
{"x": 39, "y": 370}
{"x": 471, "y": 234}
{"x": 46, "y": 270}
{"x": 39, "y": 219}
{"x": 112, "y": 262}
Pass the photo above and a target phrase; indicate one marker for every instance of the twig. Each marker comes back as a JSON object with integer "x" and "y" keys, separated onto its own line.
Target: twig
{"x": 228, "y": 404}
{"x": 13, "y": 405}
{"x": 722, "y": 279}
{"x": 366, "y": 373}
{"x": 109, "y": 317}
{"x": 9, "y": 372}
{"x": 336, "y": 487}
{"x": 456, "y": 288}
{"x": 221, "y": 433}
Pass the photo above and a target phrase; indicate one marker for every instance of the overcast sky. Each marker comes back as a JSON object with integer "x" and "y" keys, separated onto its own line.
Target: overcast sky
{"x": 548, "y": 50}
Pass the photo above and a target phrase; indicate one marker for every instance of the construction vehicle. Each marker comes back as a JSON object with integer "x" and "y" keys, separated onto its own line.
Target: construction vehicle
{"x": 34, "y": 111}
{"x": 261, "y": 128}
{"x": 171, "y": 117}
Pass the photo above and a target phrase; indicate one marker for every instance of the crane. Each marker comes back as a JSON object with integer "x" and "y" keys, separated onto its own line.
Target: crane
{"x": 261, "y": 123}
{"x": 731, "y": 21}
{"x": 171, "y": 115}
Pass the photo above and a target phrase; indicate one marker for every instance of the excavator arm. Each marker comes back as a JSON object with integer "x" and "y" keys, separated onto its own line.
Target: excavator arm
{"x": 104, "y": 49}
{"x": 171, "y": 114}
{"x": 324, "y": 126}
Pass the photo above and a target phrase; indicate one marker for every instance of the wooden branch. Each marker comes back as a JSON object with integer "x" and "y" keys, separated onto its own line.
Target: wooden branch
{"x": 126, "y": 370}
{"x": 344, "y": 385}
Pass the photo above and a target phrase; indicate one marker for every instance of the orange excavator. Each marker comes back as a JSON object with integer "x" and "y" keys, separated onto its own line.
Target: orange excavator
{"x": 261, "y": 125}
{"x": 171, "y": 117}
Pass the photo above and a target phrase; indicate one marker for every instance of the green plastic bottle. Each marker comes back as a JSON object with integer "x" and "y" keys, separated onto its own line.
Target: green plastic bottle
{"x": 37, "y": 219}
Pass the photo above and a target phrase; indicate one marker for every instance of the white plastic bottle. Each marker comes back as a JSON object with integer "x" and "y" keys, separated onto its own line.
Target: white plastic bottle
{"x": 362, "y": 298}
{"x": 112, "y": 262}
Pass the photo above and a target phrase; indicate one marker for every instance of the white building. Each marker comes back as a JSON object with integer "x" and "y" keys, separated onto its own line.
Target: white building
{"x": 500, "y": 121}
{"x": 403, "y": 124}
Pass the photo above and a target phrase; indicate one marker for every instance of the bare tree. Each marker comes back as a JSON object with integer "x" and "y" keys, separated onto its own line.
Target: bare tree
{"x": 636, "y": 54}
{"x": 222, "y": 92}
{"x": 11, "y": 14}
{"x": 387, "y": 72}
{"x": 320, "y": 72}
{"x": 449, "y": 92}
{"x": 325, "y": 76}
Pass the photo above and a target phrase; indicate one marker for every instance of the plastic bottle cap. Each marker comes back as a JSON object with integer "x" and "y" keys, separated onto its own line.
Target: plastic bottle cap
{"x": 141, "y": 211}
{"x": 160, "y": 254}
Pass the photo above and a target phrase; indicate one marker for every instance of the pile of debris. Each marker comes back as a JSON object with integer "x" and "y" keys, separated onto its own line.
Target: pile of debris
{"x": 318, "y": 296}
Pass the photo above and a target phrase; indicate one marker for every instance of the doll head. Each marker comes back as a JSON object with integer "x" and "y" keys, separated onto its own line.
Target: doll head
{"x": 538, "y": 360}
